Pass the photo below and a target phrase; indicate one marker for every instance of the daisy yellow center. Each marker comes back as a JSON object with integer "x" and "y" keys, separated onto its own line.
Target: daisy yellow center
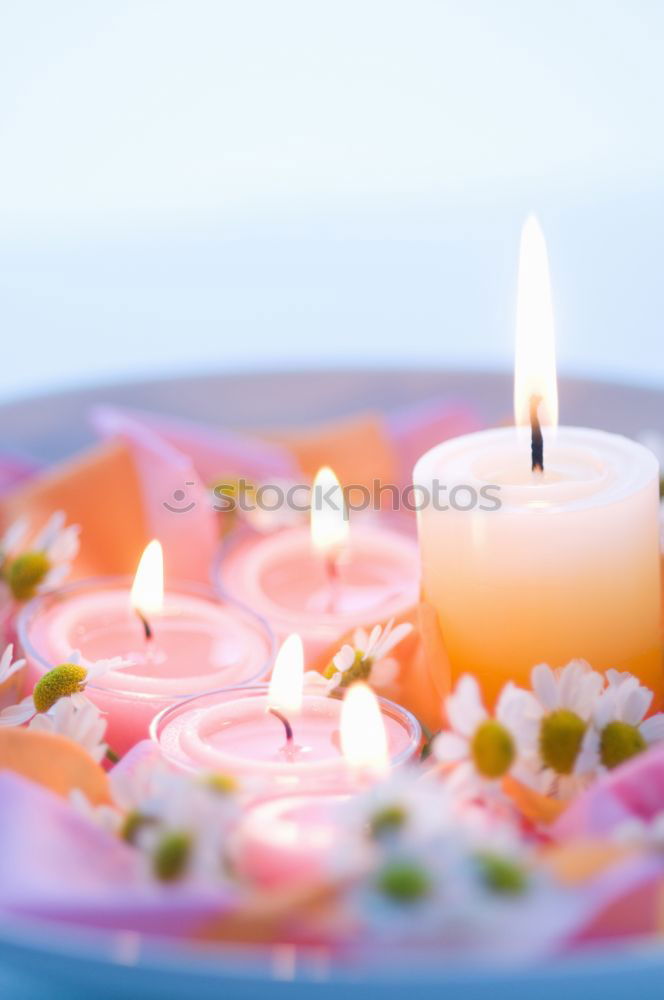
{"x": 359, "y": 670}
{"x": 132, "y": 825}
{"x": 58, "y": 683}
{"x": 501, "y": 875}
{"x": 171, "y": 856}
{"x": 220, "y": 784}
{"x": 25, "y": 574}
{"x": 560, "y": 738}
{"x": 404, "y": 881}
{"x": 618, "y": 742}
{"x": 492, "y": 749}
{"x": 387, "y": 820}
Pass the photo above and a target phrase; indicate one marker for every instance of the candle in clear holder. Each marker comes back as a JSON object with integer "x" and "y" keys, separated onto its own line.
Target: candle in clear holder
{"x": 290, "y": 840}
{"x": 322, "y": 582}
{"x": 284, "y": 737}
{"x": 196, "y": 644}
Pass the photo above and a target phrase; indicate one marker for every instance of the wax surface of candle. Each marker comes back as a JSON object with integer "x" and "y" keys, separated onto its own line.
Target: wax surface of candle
{"x": 235, "y": 733}
{"x": 285, "y": 580}
{"x": 566, "y": 567}
{"x": 290, "y": 840}
{"x": 197, "y": 645}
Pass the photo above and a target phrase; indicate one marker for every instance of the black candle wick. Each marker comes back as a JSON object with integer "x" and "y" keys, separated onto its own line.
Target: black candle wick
{"x": 145, "y": 623}
{"x": 286, "y": 724}
{"x": 536, "y": 440}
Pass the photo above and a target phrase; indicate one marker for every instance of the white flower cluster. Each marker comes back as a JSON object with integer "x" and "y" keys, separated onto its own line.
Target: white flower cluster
{"x": 179, "y": 823}
{"x": 32, "y": 566}
{"x": 431, "y": 869}
{"x": 367, "y": 659}
{"x": 71, "y": 713}
{"x": 573, "y": 725}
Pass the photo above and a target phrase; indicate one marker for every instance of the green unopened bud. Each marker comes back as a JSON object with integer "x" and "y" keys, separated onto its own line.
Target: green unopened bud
{"x": 492, "y": 749}
{"x": 60, "y": 682}
{"x": 560, "y": 739}
{"x": 618, "y": 742}
{"x": 501, "y": 875}
{"x": 25, "y": 574}
{"x": 404, "y": 881}
{"x": 171, "y": 856}
{"x": 387, "y": 820}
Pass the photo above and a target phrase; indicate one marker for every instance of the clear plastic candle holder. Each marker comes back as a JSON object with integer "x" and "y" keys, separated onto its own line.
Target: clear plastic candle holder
{"x": 234, "y": 733}
{"x": 281, "y": 577}
{"x": 199, "y": 643}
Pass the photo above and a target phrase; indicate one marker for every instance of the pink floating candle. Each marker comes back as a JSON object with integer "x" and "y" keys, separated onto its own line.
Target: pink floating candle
{"x": 178, "y": 644}
{"x": 281, "y": 736}
{"x": 291, "y": 839}
{"x": 324, "y": 581}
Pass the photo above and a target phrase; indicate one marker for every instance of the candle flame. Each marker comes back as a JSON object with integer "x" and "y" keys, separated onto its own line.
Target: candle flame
{"x": 329, "y": 522}
{"x": 363, "y": 736}
{"x": 147, "y": 592}
{"x": 535, "y": 358}
{"x": 287, "y": 683}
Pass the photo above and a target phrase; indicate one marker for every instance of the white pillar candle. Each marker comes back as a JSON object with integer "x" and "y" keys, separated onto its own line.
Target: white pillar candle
{"x": 529, "y": 566}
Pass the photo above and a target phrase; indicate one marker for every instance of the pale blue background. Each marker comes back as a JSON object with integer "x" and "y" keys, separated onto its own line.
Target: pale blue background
{"x": 206, "y": 184}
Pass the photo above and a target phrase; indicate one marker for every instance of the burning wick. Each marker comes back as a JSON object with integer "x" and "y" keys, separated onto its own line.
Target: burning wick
{"x": 537, "y": 441}
{"x": 145, "y": 623}
{"x": 286, "y": 724}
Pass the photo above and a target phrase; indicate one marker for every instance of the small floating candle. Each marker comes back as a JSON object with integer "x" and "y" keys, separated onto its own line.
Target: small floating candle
{"x": 281, "y": 735}
{"x": 291, "y": 839}
{"x": 179, "y": 643}
{"x": 327, "y": 580}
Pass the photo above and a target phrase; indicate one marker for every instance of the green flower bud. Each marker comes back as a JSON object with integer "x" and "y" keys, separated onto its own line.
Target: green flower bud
{"x": 60, "y": 682}
{"x": 618, "y": 742}
{"x": 25, "y": 574}
{"x": 560, "y": 738}
{"x": 171, "y": 856}
{"x": 404, "y": 881}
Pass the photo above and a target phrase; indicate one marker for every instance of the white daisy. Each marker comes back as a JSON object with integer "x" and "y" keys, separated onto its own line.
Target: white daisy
{"x": 7, "y": 667}
{"x": 69, "y": 686}
{"x": 366, "y": 659}
{"x": 16, "y": 715}
{"x": 13, "y": 538}
{"x": 107, "y": 817}
{"x": 482, "y": 748}
{"x": 94, "y": 669}
{"x": 44, "y": 563}
{"x": 81, "y": 722}
{"x": 553, "y": 724}
{"x": 184, "y": 825}
{"x": 618, "y": 730}
{"x": 402, "y": 805}
{"x": 60, "y": 544}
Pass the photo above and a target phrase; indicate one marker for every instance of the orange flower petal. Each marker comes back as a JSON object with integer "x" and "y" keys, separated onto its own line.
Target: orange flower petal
{"x": 53, "y": 761}
{"x": 535, "y": 807}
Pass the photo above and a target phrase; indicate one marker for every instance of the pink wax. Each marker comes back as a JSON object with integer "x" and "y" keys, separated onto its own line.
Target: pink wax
{"x": 283, "y": 579}
{"x": 198, "y": 645}
{"x": 232, "y": 732}
{"x": 289, "y": 840}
